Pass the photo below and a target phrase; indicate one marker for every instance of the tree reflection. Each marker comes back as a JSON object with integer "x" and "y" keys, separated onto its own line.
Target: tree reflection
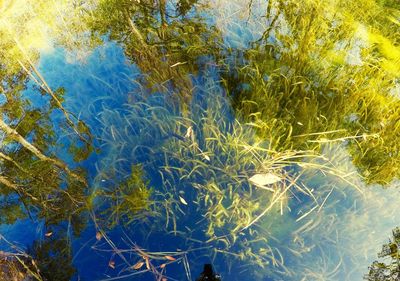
{"x": 53, "y": 257}
{"x": 165, "y": 39}
{"x": 387, "y": 271}
{"x": 318, "y": 74}
{"x": 35, "y": 181}
{"x": 31, "y": 181}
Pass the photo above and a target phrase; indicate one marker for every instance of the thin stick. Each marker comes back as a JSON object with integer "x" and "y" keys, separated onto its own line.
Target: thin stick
{"x": 325, "y": 200}
{"x": 306, "y": 214}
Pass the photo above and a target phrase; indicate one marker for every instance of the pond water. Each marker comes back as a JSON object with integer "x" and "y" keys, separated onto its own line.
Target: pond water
{"x": 171, "y": 134}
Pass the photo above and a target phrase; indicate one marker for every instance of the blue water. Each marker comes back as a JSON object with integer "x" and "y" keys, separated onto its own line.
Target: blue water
{"x": 132, "y": 126}
{"x": 98, "y": 92}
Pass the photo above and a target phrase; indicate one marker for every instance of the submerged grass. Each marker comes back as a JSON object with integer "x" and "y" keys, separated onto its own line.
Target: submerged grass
{"x": 319, "y": 74}
{"x": 199, "y": 166}
{"x": 178, "y": 162}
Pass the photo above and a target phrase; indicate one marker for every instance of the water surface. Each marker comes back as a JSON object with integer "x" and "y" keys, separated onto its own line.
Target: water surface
{"x": 168, "y": 109}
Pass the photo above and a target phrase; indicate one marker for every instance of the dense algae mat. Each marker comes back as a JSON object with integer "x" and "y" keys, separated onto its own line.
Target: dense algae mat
{"x": 140, "y": 139}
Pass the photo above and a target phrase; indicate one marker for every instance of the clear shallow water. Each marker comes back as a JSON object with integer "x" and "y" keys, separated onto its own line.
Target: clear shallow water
{"x": 335, "y": 242}
{"x": 341, "y": 249}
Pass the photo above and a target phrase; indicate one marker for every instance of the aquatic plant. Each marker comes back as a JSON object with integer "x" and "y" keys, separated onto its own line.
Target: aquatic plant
{"x": 324, "y": 72}
{"x": 306, "y": 112}
{"x": 122, "y": 204}
{"x": 253, "y": 185}
{"x": 204, "y": 164}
